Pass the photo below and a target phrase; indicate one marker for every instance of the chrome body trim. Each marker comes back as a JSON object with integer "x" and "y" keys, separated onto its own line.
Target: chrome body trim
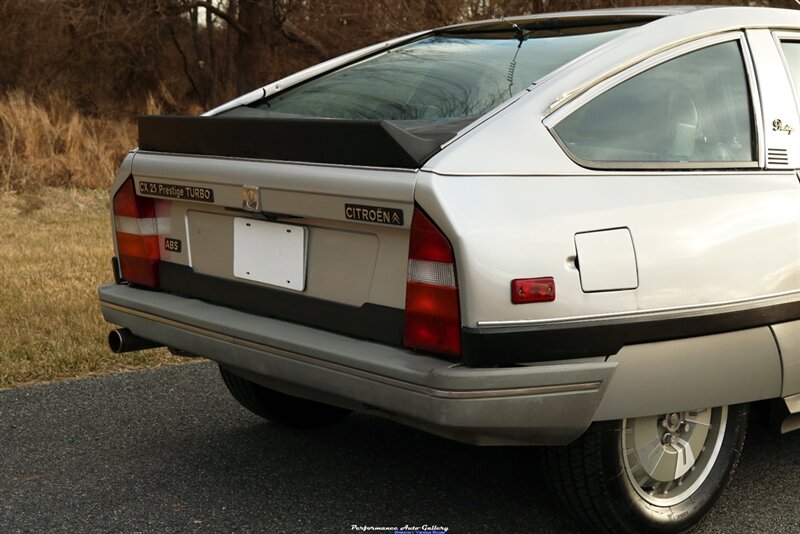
{"x": 755, "y": 101}
{"x": 644, "y": 173}
{"x": 658, "y": 313}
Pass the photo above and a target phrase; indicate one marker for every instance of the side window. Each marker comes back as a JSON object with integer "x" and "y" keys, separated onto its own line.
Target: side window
{"x": 693, "y": 108}
{"x": 791, "y": 51}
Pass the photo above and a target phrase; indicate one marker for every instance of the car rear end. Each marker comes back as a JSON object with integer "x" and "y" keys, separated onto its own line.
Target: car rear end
{"x": 321, "y": 293}
{"x": 284, "y": 240}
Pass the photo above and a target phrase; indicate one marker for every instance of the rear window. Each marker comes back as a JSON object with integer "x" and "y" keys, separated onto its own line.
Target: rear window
{"x": 438, "y": 77}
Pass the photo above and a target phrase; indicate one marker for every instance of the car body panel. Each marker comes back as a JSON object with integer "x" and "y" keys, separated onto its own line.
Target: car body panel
{"x": 315, "y": 195}
{"x": 684, "y": 374}
{"x": 709, "y": 219}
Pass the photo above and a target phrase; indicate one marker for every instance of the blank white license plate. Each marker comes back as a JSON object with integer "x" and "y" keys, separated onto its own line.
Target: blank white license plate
{"x": 270, "y": 253}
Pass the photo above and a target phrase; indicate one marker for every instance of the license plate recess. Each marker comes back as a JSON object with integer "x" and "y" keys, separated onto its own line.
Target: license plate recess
{"x": 270, "y": 253}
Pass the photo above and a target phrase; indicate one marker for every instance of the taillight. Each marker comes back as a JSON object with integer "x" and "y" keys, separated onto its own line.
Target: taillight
{"x": 137, "y": 236}
{"x": 432, "y": 320}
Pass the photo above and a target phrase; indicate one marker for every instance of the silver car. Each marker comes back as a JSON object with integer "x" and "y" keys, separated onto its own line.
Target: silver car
{"x": 579, "y": 230}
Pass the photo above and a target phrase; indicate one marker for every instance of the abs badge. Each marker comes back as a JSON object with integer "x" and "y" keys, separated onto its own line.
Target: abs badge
{"x": 250, "y": 198}
{"x": 374, "y": 214}
{"x": 172, "y": 245}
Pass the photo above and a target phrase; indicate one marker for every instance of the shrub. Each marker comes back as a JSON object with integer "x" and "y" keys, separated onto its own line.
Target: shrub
{"x": 48, "y": 143}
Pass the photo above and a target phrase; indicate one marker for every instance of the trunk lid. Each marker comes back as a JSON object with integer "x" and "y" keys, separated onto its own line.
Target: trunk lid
{"x": 350, "y": 228}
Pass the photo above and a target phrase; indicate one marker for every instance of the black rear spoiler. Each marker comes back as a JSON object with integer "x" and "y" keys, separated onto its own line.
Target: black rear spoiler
{"x": 372, "y": 143}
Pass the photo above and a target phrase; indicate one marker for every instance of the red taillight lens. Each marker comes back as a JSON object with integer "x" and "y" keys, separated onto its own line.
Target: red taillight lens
{"x": 428, "y": 243}
{"x": 127, "y": 204}
{"x": 432, "y": 320}
{"x": 137, "y": 236}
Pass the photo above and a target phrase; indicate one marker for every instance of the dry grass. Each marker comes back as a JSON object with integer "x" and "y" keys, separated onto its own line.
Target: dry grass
{"x": 55, "y": 249}
{"x": 50, "y": 144}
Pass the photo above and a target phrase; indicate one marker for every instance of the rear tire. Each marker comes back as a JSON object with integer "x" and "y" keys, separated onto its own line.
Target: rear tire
{"x": 654, "y": 474}
{"x": 280, "y": 407}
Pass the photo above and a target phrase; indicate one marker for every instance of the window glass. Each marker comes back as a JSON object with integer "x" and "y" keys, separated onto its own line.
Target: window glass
{"x": 694, "y": 108}
{"x": 791, "y": 51}
{"x": 439, "y": 77}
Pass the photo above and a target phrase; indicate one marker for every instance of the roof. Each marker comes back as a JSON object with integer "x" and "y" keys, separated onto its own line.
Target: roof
{"x": 625, "y": 15}
{"x": 661, "y": 34}
{"x": 573, "y": 18}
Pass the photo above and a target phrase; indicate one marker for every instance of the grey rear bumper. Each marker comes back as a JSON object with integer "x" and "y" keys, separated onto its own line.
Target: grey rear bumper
{"x": 542, "y": 404}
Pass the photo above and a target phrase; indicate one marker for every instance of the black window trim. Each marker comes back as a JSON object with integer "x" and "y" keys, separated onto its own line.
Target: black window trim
{"x": 659, "y": 58}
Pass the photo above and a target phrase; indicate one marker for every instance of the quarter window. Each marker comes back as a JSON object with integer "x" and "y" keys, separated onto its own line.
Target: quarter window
{"x": 694, "y": 108}
{"x": 791, "y": 51}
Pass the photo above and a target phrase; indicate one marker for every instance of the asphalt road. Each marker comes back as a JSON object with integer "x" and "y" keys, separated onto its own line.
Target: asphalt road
{"x": 168, "y": 450}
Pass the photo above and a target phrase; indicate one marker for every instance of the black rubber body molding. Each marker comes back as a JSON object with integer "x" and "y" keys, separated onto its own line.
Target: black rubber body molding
{"x": 370, "y": 321}
{"x": 481, "y": 347}
{"x": 510, "y": 345}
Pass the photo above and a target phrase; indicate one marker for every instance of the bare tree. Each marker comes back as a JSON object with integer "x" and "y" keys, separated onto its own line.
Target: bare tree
{"x": 111, "y": 54}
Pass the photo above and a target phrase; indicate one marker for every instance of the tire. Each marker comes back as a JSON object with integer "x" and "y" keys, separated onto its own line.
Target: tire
{"x": 611, "y": 491}
{"x": 279, "y": 407}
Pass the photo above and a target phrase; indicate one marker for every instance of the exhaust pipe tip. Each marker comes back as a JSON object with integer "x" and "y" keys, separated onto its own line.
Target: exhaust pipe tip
{"x": 123, "y": 340}
{"x": 115, "y": 340}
